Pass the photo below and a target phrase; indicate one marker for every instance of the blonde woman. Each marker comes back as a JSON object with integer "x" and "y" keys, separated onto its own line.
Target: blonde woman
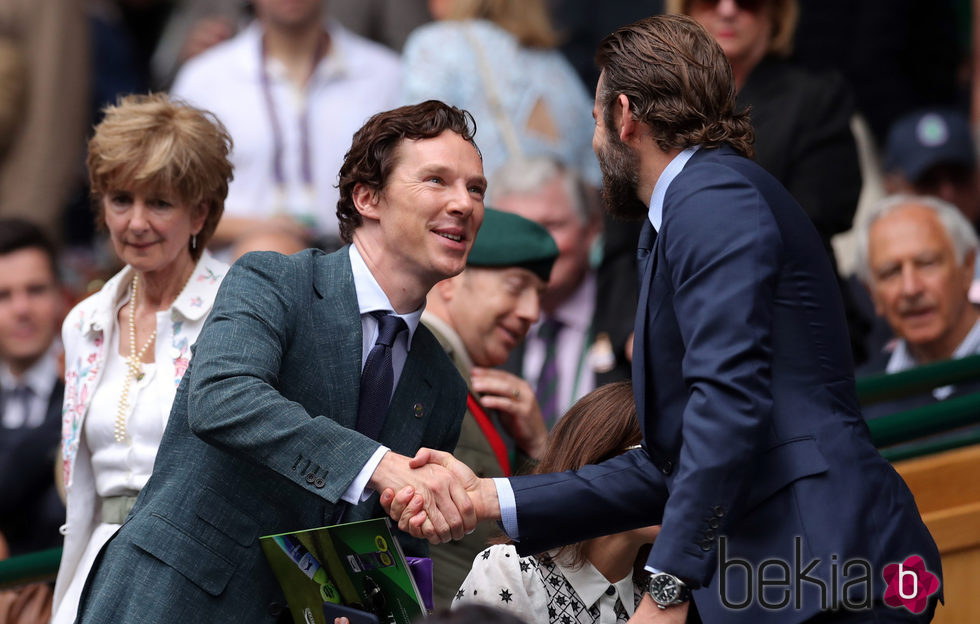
{"x": 497, "y": 59}
{"x": 159, "y": 174}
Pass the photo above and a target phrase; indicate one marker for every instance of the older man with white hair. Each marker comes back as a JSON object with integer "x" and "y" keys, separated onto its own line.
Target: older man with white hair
{"x": 916, "y": 255}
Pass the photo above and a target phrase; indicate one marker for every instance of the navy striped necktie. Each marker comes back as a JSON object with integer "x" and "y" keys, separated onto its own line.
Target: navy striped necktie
{"x": 643, "y": 247}
{"x": 377, "y": 378}
{"x": 547, "y": 387}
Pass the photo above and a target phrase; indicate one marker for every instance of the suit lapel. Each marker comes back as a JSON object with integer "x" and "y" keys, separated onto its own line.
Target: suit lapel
{"x": 413, "y": 403}
{"x": 640, "y": 348}
{"x": 337, "y": 330}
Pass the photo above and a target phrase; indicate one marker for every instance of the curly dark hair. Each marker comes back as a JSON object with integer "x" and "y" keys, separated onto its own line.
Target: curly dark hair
{"x": 373, "y": 150}
{"x": 678, "y": 81}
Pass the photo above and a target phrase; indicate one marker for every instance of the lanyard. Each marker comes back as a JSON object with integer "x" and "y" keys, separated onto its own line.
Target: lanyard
{"x": 584, "y": 355}
{"x": 306, "y": 169}
{"x": 490, "y": 432}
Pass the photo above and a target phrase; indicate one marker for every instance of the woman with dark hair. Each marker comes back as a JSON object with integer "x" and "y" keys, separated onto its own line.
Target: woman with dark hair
{"x": 802, "y": 120}
{"x": 598, "y": 580}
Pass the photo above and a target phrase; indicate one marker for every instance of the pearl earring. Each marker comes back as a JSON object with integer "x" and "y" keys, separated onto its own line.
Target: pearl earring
{"x": 194, "y": 241}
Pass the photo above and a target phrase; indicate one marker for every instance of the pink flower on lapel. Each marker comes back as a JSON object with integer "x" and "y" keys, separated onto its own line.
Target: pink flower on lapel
{"x": 180, "y": 366}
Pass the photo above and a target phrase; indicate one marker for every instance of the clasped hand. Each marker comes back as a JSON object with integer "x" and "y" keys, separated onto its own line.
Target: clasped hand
{"x": 439, "y": 498}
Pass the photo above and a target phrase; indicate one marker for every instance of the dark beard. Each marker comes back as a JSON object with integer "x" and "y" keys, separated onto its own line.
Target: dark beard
{"x": 620, "y": 177}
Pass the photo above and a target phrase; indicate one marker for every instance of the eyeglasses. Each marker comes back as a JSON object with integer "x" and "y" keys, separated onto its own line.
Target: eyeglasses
{"x": 752, "y": 6}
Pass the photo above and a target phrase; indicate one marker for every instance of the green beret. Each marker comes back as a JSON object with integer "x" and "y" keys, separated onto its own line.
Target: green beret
{"x": 510, "y": 240}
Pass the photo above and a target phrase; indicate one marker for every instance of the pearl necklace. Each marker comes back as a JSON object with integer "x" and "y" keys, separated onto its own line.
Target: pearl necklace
{"x": 134, "y": 363}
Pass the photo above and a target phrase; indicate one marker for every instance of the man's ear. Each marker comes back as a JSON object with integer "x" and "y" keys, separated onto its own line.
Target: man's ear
{"x": 627, "y": 126}
{"x": 969, "y": 262}
{"x": 366, "y": 200}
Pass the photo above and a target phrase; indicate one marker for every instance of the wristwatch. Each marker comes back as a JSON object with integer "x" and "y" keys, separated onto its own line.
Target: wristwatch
{"x": 667, "y": 590}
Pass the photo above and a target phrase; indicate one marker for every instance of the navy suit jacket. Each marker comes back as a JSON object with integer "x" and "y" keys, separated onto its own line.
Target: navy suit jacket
{"x": 754, "y": 443}
{"x": 30, "y": 508}
{"x": 260, "y": 441}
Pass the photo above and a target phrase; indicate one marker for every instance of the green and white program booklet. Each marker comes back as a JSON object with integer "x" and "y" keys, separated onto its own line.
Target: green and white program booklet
{"x": 357, "y": 564}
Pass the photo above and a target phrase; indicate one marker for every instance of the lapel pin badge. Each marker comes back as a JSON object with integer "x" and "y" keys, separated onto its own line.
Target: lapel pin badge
{"x": 418, "y": 410}
{"x": 601, "y": 357}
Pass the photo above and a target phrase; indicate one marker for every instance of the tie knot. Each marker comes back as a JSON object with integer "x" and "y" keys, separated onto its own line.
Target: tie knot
{"x": 647, "y": 236}
{"x": 22, "y": 392}
{"x": 389, "y": 326}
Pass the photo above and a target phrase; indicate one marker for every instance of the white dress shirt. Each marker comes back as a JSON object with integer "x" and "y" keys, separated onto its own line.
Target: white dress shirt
{"x": 40, "y": 378}
{"x": 546, "y": 591}
{"x": 355, "y": 79}
{"x": 371, "y": 298}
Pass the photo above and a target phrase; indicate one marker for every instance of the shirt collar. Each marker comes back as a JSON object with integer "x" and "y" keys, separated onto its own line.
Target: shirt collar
{"x": 193, "y": 302}
{"x": 457, "y": 350}
{"x": 371, "y": 297}
{"x": 336, "y": 62}
{"x": 40, "y": 377}
{"x": 197, "y": 297}
{"x": 577, "y": 311}
{"x": 902, "y": 358}
{"x": 673, "y": 168}
{"x": 590, "y": 585}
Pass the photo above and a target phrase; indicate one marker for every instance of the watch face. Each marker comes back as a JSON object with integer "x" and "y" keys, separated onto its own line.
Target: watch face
{"x": 663, "y": 588}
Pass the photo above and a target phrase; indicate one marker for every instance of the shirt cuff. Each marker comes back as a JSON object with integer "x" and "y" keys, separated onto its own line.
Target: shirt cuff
{"x": 508, "y": 508}
{"x": 357, "y": 491}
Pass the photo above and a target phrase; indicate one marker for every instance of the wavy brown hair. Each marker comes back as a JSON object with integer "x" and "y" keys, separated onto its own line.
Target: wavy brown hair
{"x": 677, "y": 80}
{"x": 153, "y": 143}
{"x": 374, "y": 150}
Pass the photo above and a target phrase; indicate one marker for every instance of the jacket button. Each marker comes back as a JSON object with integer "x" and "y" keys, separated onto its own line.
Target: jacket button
{"x": 310, "y": 478}
{"x": 714, "y": 523}
{"x": 667, "y": 467}
{"x": 319, "y": 483}
{"x": 706, "y": 545}
{"x": 709, "y": 534}
{"x": 275, "y": 608}
{"x": 718, "y": 510}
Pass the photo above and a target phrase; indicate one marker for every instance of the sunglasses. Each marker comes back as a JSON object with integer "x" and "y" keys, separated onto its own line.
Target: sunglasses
{"x": 752, "y": 6}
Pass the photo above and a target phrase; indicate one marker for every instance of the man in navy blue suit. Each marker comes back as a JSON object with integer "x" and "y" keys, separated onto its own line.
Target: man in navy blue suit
{"x": 774, "y": 504}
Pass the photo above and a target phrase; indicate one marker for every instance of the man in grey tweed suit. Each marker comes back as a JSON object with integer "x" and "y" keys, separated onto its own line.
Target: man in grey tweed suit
{"x": 263, "y": 437}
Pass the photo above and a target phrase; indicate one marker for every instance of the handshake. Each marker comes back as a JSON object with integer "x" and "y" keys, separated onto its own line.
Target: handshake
{"x": 433, "y": 495}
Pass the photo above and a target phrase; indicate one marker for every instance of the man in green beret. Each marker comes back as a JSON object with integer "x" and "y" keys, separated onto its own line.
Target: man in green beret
{"x": 479, "y": 316}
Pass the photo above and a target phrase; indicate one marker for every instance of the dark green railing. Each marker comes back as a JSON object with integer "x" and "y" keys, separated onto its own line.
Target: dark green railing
{"x": 909, "y": 425}
{"x": 901, "y": 428}
{"x": 24, "y": 569}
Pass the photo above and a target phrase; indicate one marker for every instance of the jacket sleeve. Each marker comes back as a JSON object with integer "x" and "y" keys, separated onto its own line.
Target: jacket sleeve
{"x": 722, "y": 249}
{"x": 555, "y": 509}
{"x": 233, "y": 400}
